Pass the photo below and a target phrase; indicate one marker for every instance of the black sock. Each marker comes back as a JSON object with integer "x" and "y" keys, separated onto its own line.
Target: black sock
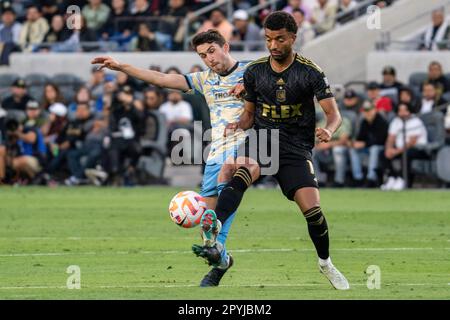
{"x": 231, "y": 195}
{"x": 318, "y": 231}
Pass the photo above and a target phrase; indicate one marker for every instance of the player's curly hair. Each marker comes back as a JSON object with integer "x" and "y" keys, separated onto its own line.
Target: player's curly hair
{"x": 210, "y": 36}
{"x": 278, "y": 20}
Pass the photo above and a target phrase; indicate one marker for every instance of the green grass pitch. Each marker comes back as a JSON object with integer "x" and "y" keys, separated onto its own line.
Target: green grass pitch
{"x": 127, "y": 247}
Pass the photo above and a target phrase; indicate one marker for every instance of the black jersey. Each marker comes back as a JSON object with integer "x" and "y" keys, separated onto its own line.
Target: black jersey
{"x": 285, "y": 101}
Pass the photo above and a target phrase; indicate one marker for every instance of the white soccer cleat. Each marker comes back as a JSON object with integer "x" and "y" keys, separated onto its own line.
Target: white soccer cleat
{"x": 399, "y": 184}
{"x": 336, "y": 278}
{"x": 389, "y": 184}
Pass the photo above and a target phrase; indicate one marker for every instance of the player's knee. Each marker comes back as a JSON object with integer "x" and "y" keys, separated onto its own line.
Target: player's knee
{"x": 226, "y": 172}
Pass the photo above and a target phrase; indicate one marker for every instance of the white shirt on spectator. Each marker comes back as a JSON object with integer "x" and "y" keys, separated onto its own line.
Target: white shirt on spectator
{"x": 414, "y": 128}
{"x": 427, "y": 106}
{"x": 179, "y": 111}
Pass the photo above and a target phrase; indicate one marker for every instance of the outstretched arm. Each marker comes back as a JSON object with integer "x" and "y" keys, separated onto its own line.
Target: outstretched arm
{"x": 172, "y": 81}
{"x": 333, "y": 117}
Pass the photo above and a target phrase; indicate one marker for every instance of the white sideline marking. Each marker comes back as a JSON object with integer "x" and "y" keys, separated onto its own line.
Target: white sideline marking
{"x": 189, "y": 252}
{"x": 273, "y": 285}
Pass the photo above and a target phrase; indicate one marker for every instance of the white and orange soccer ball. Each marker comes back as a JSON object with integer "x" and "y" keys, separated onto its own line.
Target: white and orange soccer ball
{"x": 186, "y": 208}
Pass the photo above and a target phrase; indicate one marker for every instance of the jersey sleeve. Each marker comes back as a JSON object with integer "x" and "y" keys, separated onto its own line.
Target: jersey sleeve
{"x": 320, "y": 85}
{"x": 249, "y": 85}
{"x": 195, "y": 81}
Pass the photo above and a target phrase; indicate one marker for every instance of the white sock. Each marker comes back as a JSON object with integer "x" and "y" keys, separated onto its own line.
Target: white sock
{"x": 324, "y": 262}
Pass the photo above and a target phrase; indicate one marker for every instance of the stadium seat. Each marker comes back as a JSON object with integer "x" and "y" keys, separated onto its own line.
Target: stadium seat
{"x": 416, "y": 79}
{"x": 442, "y": 161}
{"x": 434, "y": 122}
{"x": 446, "y": 96}
{"x": 154, "y": 146}
{"x": 37, "y": 92}
{"x": 67, "y": 79}
{"x": 6, "y": 79}
{"x": 36, "y": 79}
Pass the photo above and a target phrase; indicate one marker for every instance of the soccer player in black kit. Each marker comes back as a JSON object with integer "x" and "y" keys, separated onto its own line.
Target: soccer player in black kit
{"x": 280, "y": 91}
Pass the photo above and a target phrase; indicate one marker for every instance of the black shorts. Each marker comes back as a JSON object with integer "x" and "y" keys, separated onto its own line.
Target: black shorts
{"x": 296, "y": 175}
{"x": 292, "y": 171}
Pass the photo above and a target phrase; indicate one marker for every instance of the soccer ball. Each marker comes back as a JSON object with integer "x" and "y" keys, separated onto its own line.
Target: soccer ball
{"x": 186, "y": 208}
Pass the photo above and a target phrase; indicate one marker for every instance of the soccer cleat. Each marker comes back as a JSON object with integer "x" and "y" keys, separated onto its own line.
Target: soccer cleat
{"x": 336, "y": 278}
{"x": 211, "y": 254}
{"x": 210, "y": 227}
{"x": 214, "y": 276}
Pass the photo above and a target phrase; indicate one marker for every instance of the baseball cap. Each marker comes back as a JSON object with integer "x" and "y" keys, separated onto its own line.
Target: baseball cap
{"x": 372, "y": 85}
{"x": 240, "y": 15}
{"x": 19, "y": 83}
{"x": 58, "y": 109}
{"x": 368, "y": 105}
{"x": 389, "y": 70}
{"x": 32, "y": 104}
{"x": 350, "y": 93}
{"x": 127, "y": 89}
{"x": 7, "y": 7}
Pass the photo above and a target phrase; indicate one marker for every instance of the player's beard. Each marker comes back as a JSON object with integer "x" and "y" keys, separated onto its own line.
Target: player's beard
{"x": 282, "y": 57}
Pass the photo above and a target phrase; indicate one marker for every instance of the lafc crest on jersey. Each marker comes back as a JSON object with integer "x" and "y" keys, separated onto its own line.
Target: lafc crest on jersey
{"x": 281, "y": 93}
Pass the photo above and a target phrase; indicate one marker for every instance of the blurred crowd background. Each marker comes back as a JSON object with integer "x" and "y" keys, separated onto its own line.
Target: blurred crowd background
{"x": 115, "y": 130}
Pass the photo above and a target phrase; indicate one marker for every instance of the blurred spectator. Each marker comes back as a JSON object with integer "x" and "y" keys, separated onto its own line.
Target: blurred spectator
{"x": 96, "y": 14}
{"x": 430, "y": 99}
{"x": 19, "y": 98}
{"x": 390, "y": 86}
{"x": 382, "y": 104}
{"x": 34, "y": 29}
{"x": 369, "y": 142}
{"x": 81, "y": 37}
{"x": 96, "y": 82}
{"x": 177, "y": 111}
{"x": 126, "y": 127}
{"x": 323, "y": 16}
{"x": 298, "y": 5}
{"x": 2, "y": 146}
{"x": 351, "y": 101}
{"x": 146, "y": 39}
{"x": 346, "y": 6}
{"x": 90, "y": 150}
{"x": 437, "y": 34}
{"x": 105, "y": 101}
{"x": 152, "y": 99}
{"x": 171, "y": 31}
{"x": 305, "y": 32}
{"x": 34, "y": 114}
{"x": 179, "y": 117}
{"x": 173, "y": 70}
{"x": 196, "y": 68}
{"x": 218, "y": 21}
{"x": 52, "y": 94}
{"x": 9, "y": 34}
{"x": 436, "y": 77}
{"x": 9, "y": 28}
{"x": 416, "y": 135}
{"x": 334, "y": 152}
{"x": 141, "y": 8}
{"x": 49, "y": 9}
{"x": 71, "y": 138}
{"x": 406, "y": 95}
{"x": 58, "y": 33}
{"x": 245, "y": 31}
{"x": 51, "y": 130}
{"x": 26, "y": 147}
{"x": 115, "y": 28}
{"x": 83, "y": 95}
